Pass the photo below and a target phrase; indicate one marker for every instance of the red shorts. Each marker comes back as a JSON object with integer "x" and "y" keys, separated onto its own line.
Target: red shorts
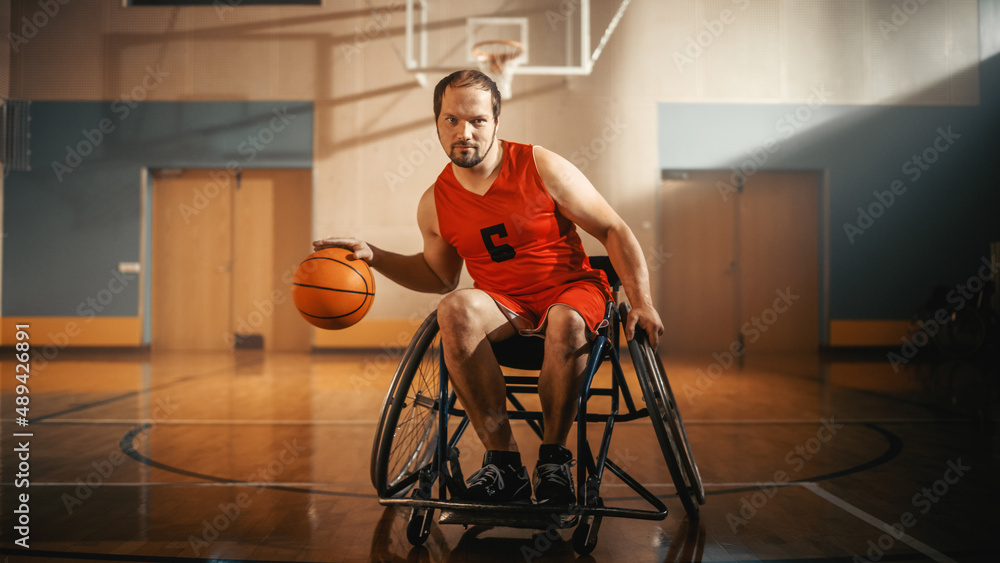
{"x": 528, "y": 313}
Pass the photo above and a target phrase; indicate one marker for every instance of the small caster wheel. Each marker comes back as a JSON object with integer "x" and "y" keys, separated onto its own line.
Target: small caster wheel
{"x": 419, "y": 526}
{"x": 585, "y": 535}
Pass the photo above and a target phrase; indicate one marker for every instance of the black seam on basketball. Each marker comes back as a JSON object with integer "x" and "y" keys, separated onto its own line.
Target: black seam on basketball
{"x": 362, "y": 276}
{"x": 333, "y": 289}
{"x": 358, "y": 308}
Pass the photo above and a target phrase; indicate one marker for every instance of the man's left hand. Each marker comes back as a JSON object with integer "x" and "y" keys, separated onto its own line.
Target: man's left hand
{"x": 646, "y": 317}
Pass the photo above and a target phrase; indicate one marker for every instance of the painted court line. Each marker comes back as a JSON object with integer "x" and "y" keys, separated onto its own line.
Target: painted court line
{"x": 267, "y": 484}
{"x": 348, "y": 422}
{"x": 710, "y": 485}
{"x": 344, "y": 484}
{"x": 792, "y": 421}
{"x": 205, "y": 421}
{"x": 886, "y": 528}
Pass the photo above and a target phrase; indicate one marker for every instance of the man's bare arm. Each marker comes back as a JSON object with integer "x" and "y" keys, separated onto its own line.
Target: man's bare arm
{"x": 435, "y": 270}
{"x": 580, "y": 202}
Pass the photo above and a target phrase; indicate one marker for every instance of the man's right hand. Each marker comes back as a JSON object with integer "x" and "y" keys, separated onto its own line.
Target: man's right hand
{"x": 360, "y": 248}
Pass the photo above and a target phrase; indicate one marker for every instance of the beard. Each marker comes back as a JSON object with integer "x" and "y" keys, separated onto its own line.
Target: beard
{"x": 470, "y": 158}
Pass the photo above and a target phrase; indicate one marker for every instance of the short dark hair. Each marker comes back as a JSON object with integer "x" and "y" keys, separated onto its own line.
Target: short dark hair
{"x": 465, "y": 79}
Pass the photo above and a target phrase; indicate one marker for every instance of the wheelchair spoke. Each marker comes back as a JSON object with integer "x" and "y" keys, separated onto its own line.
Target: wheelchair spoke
{"x": 410, "y": 443}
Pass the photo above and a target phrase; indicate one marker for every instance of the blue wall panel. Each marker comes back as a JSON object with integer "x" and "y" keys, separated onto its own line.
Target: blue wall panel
{"x": 70, "y": 220}
{"x": 936, "y": 232}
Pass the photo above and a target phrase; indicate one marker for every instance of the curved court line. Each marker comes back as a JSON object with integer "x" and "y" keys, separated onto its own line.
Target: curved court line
{"x": 48, "y": 555}
{"x": 126, "y": 445}
{"x": 894, "y": 449}
{"x": 102, "y": 402}
{"x": 372, "y": 422}
{"x": 128, "y": 449}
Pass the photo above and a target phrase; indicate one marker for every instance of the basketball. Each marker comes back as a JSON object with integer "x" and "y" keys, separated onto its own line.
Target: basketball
{"x": 331, "y": 291}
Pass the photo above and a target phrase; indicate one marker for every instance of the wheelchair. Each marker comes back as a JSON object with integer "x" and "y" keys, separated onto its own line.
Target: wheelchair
{"x": 421, "y": 423}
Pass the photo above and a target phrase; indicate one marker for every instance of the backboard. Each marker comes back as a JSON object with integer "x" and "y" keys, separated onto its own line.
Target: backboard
{"x": 560, "y": 37}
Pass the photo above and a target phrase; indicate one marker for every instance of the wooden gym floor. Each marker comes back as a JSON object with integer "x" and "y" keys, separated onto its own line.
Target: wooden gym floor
{"x": 264, "y": 457}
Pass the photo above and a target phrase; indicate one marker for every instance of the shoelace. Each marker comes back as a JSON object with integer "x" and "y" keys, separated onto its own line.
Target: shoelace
{"x": 558, "y": 472}
{"x": 484, "y": 475}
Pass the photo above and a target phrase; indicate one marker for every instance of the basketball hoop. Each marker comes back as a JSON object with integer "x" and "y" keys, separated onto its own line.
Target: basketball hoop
{"x": 498, "y": 59}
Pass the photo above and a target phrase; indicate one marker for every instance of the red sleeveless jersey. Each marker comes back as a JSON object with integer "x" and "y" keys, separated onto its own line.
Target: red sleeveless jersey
{"x": 513, "y": 239}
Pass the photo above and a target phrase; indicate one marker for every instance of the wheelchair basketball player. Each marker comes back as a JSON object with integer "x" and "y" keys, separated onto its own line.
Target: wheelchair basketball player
{"x": 509, "y": 212}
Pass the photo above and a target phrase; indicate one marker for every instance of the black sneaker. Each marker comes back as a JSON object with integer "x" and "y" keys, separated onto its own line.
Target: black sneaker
{"x": 553, "y": 479}
{"x": 499, "y": 484}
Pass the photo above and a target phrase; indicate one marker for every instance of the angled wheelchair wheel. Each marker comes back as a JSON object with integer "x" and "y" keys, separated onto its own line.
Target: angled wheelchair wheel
{"x": 406, "y": 437}
{"x": 667, "y": 424}
{"x": 387, "y": 402}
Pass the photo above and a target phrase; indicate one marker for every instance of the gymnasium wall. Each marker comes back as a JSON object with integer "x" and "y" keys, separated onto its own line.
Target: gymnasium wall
{"x": 937, "y": 151}
{"x": 77, "y": 214}
{"x": 884, "y": 261}
{"x": 5, "y": 52}
{"x": 4, "y": 92}
{"x": 374, "y": 148}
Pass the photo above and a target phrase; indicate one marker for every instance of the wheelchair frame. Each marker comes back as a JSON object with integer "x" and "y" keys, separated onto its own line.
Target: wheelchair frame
{"x": 412, "y": 454}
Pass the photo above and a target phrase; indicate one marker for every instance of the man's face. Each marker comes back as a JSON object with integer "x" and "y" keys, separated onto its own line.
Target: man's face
{"x": 465, "y": 126}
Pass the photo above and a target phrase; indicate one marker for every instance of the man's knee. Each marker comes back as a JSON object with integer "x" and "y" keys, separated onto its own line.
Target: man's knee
{"x": 469, "y": 310}
{"x": 458, "y": 307}
{"x": 566, "y": 326}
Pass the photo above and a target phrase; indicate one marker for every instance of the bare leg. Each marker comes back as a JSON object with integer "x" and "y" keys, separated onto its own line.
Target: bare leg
{"x": 469, "y": 320}
{"x": 566, "y": 349}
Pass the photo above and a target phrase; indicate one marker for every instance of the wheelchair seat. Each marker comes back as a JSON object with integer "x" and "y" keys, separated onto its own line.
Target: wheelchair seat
{"x": 526, "y": 352}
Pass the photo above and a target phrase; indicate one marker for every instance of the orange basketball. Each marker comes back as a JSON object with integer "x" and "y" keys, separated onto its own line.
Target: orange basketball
{"x": 331, "y": 291}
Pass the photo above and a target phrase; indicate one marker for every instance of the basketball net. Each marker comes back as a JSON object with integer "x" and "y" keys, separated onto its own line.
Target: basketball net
{"x": 499, "y": 59}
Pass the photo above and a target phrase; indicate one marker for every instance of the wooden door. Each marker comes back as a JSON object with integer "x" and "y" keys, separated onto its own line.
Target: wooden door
{"x": 224, "y": 251}
{"x": 273, "y": 231}
{"x": 192, "y": 261}
{"x": 744, "y": 264}
{"x": 697, "y": 287}
{"x": 779, "y": 261}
